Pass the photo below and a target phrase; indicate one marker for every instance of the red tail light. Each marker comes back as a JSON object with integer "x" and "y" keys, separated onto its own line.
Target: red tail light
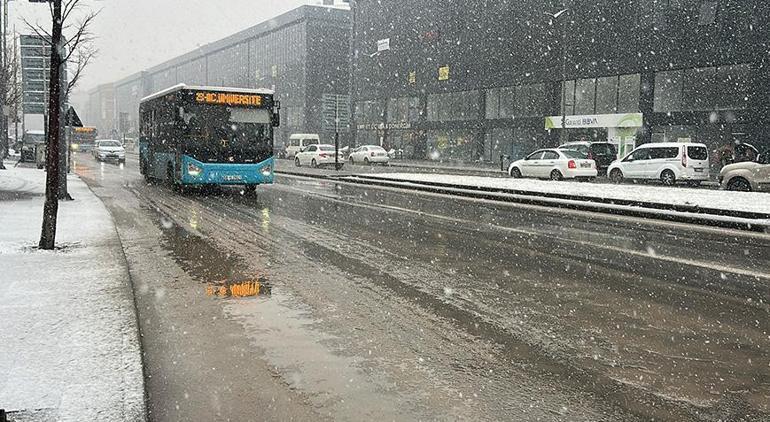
{"x": 322, "y": 155}
{"x": 571, "y": 164}
{"x": 684, "y": 157}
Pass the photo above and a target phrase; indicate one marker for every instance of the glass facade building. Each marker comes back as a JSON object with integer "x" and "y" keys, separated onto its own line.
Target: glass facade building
{"x": 483, "y": 78}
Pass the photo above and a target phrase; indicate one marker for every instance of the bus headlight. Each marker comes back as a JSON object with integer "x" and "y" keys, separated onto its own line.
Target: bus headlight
{"x": 267, "y": 171}
{"x": 194, "y": 170}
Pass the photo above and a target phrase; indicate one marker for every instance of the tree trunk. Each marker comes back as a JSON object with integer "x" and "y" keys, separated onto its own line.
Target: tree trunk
{"x": 51, "y": 207}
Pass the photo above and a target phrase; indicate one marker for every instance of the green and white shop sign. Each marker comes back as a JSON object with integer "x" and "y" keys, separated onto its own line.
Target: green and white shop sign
{"x": 627, "y": 120}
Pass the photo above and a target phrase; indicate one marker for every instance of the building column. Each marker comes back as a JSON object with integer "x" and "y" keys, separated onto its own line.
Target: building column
{"x": 646, "y": 105}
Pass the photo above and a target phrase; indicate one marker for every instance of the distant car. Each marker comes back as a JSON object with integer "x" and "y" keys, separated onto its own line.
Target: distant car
{"x": 369, "y": 154}
{"x": 554, "y": 164}
{"x": 316, "y": 156}
{"x": 107, "y": 150}
{"x": 299, "y": 141}
{"x": 603, "y": 153}
{"x": 30, "y": 141}
{"x": 669, "y": 162}
{"x": 747, "y": 176}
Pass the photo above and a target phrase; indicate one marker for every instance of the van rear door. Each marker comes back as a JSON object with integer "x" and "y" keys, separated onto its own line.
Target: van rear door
{"x": 697, "y": 160}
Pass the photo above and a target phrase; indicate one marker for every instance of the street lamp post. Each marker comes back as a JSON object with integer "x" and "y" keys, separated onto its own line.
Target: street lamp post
{"x": 563, "y": 29}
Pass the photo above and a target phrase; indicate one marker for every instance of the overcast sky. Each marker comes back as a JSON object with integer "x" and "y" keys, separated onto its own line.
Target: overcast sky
{"x": 133, "y": 35}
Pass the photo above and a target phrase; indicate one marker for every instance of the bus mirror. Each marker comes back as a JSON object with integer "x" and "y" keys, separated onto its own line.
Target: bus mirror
{"x": 277, "y": 114}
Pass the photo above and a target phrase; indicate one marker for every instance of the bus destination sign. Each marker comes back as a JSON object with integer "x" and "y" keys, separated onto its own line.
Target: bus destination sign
{"x": 228, "y": 98}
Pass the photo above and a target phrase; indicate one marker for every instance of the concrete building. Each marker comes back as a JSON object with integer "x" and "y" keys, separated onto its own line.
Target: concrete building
{"x": 302, "y": 55}
{"x": 101, "y": 110}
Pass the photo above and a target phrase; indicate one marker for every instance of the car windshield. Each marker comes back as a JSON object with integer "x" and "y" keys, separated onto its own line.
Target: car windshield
{"x": 385, "y": 210}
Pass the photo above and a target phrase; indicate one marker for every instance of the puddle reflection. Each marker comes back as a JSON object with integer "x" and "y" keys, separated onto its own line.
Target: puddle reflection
{"x": 250, "y": 288}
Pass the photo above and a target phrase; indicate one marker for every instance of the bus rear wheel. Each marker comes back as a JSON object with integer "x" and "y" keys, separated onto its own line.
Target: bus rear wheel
{"x": 250, "y": 190}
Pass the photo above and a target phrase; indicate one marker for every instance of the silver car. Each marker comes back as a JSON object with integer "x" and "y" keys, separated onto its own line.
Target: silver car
{"x": 747, "y": 176}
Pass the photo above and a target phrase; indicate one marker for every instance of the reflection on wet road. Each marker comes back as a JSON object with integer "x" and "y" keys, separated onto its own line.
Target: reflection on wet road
{"x": 429, "y": 307}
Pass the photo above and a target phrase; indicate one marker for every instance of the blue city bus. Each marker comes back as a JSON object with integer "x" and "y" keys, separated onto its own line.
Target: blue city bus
{"x": 198, "y": 136}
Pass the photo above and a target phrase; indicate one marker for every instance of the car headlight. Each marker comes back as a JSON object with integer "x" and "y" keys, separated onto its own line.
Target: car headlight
{"x": 267, "y": 171}
{"x": 74, "y": 147}
{"x": 194, "y": 170}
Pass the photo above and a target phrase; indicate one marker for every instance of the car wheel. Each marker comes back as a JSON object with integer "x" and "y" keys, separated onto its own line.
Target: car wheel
{"x": 515, "y": 173}
{"x": 313, "y": 163}
{"x": 616, "y": 176}
{"x": 668, "y": 178}
{"x": 297, "y": 163}
{"x": 739, "y": 184}
{"x": 556, "y": 175}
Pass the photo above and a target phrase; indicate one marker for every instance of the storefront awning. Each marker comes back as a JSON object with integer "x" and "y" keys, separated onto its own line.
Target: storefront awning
{"x": 595, "y": 121}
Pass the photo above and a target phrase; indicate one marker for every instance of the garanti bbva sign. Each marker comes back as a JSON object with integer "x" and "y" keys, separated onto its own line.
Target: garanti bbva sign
{"x": 595, "y": 120}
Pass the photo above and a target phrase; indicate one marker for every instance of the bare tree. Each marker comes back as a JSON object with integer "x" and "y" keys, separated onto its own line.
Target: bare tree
{"x": 10, "y": 81}
{"x": 76, "y": 49}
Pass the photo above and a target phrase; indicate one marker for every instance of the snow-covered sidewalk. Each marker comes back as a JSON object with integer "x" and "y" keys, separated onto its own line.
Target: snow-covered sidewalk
{"x": 753, "y": 202}
{"x": 69, "y": 344}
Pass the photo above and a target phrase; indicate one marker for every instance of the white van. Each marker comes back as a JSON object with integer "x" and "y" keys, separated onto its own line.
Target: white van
{"x": 299, "y": 141}
{"x": 668, "y": 162}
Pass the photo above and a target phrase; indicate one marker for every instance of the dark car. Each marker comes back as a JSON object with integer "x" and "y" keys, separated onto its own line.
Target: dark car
{"x": 603, "y": 153}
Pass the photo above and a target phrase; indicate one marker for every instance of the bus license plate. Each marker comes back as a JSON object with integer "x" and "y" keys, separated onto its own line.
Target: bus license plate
{"x": 231, "y": 178}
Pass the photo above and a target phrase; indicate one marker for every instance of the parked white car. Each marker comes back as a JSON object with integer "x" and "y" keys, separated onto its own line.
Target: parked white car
{"x": 668, "y": 162}
{"x": 555, "y": 165}
{"x": 747, "y": 176}
{"x": 369, "y": 154}
{"x": 106, "y": 150}
{"x": 299, "y": 141}
{"x": 317, "y": 155}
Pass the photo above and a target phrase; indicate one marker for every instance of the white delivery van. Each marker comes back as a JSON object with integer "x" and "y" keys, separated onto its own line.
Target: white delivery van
{"x": 299, "y": 141}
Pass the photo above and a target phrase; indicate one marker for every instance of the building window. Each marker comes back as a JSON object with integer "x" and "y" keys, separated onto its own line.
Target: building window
{"x": 516, "y": 101}
{"x": 370, "y": 111}
{"x": 453, "y": 106}
{"x": 585, "y": 96}
{"x": 451, "y": 145}
{"x": 405, "y": 109}
{"x": 668, "y": 91}
{"x": 628, "y": 93}
{"x": 703, "y": 89}
{"x": 606, "y": 95}
{"x": 708, "y": 13}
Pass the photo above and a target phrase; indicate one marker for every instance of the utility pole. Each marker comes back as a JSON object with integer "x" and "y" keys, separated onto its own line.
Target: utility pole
{"x": 51, "y": 207}
{"x": 336, "y": 132}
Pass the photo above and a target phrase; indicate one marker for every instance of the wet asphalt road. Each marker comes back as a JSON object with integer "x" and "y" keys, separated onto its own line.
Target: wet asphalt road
{"x": 381, "y": 304}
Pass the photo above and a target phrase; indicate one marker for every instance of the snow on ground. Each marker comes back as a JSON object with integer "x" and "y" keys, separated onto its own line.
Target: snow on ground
{"x": 725, "y": 200}
{"x": 70, "y": 347}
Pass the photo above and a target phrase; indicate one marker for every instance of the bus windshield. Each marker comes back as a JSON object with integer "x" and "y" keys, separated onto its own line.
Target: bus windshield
{"x": 226, "y": 134}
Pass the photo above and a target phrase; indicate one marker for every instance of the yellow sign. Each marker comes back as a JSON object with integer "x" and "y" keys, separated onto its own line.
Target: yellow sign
{"x": 228, "y": 98}
{"x": 84, "y": 129}
{"x": 443, "y": 73}
{"x": 412, "y": 77}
